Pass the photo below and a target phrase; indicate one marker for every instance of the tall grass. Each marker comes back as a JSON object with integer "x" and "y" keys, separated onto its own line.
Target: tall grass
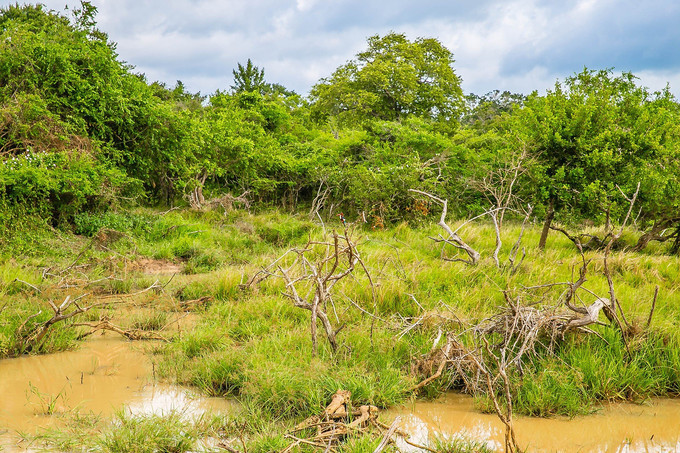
{"x": 253, "y": 344}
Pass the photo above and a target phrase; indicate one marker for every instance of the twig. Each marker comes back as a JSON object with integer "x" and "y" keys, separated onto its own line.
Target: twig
{"x": 651, "y": 311}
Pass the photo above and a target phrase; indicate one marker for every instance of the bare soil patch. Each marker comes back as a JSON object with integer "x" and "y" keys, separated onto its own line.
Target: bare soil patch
{"x": 155, "y": 267}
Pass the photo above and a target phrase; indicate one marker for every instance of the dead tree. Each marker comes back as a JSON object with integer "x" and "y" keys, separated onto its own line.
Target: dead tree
{"x": 29, "y": 336}
{"x": 312, "y": 276}
{"x": 452, "y": 238}
{"x": 664, "y": 230}
{"x": 499, "y": 184}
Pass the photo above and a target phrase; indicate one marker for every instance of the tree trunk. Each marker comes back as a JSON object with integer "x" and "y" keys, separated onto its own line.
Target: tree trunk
{"x": 549, "y": 216}
{"x": 675, "y": 249}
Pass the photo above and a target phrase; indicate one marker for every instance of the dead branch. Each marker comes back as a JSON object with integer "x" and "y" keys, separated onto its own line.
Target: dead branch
{"x": 228, "y": 201}
{"x": 195, "y": 303}
{"x": 497, "y": 229}
{"x": 515, "y": 248}
{"x": 319, "y": 200}
{"x": 651, "y": 310}
{"x": 66, "y": 310}
{"x": 607, "y": 272}
{"x": 311, "y": 277}
{"x": 131, "y": 334}
{"x": 388, "y": 435}
{"x": 498, "y": 185}
{"x": 453, "y": 238}
{"x": 333, "y": 424}
{"x": 27, "y": 284}
{"x": 331, "y": 427}
{"x": 662, "y": 230}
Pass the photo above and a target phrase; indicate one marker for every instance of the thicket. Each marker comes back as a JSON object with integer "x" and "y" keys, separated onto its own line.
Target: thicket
{"x": 81, "y": 131}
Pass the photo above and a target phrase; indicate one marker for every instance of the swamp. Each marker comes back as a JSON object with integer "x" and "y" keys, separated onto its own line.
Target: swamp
{"x": 384, "y": 265}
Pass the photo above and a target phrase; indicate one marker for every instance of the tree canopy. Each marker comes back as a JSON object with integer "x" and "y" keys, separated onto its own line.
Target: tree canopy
{"x": 81, "y": 131}
{"x": 248, "y": 78}
{"x": 392, "y": 79}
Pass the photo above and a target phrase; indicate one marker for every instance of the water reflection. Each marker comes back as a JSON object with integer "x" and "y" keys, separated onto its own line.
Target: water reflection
{"x": 104, "y": 375}
{"x": 621, "y": 428}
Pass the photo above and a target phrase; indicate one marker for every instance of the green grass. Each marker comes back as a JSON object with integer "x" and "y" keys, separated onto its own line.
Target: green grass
{"x": 127, "y": 433}
{"x": 254, "y": 345}
{"x": 155, "y": 320}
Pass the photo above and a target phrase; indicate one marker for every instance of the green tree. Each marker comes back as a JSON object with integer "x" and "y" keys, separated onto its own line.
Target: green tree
{"x": 589, "y": 135}
{"x": 482, "y": 111}
{"x": 248, "y": 78}
{"x": 394, "y": 78}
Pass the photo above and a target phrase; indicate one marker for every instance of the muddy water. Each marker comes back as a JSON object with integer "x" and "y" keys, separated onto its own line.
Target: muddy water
{"x": 104, "y": 375}
{"x": 653, "y": 427}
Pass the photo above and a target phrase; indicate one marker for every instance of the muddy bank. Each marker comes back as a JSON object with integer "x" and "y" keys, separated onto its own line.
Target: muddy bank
{"x": 652, "y": 427}
{"x": 104, "y": 375}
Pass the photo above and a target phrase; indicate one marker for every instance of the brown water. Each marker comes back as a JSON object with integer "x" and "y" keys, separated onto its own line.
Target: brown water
{"x": 108, "y": 373}
{"x": 624, "y": 428}
{"x": 104, "y": 375}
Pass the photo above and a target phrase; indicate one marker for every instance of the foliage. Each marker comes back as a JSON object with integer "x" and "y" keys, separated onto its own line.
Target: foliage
{"x": 482, "y": 111}
{"x": 58, "y": 185}
{"x": 392, "y": 79}
{"x": 248, "y": 78}
{"x": 591, "y": 134}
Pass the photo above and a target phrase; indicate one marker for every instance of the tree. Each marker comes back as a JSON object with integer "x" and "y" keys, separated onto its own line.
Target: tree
{"x": 587, "y": 136}
{"x": 481, "y": 111}
{"x": 248, "y": 78}
{"x": 393, "y": 79}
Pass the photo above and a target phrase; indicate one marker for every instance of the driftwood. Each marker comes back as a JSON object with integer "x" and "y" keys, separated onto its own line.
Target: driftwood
{"x": 329, "y": 428}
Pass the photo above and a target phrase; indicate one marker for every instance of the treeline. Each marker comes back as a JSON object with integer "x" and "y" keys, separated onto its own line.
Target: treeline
{"x": 80, "y": 131}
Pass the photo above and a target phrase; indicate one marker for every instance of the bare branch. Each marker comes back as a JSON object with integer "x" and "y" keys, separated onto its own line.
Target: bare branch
{"x": 472, "y": 253}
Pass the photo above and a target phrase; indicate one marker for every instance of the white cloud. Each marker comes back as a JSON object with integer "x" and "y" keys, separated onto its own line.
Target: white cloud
{"x": 519, "y": 45}
{"x": 304, "y": 5}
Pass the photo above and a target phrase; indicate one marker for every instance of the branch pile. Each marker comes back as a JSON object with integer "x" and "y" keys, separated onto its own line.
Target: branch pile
{"x": 338, "y": 420}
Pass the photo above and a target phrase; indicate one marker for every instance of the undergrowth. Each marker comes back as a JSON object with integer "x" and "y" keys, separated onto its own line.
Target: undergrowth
{"x": 252, "y": 344}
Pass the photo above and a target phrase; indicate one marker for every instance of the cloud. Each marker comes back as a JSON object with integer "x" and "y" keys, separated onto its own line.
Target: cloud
{"x": 518, "y": 45}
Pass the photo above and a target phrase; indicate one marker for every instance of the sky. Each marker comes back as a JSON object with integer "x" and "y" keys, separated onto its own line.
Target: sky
{"x": 515, "y": 45}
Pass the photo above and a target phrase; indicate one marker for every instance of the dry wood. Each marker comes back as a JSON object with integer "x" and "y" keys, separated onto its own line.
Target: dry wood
{"x": 332, "y": 426}
{"x": 388, "y": 436}
{"x": 311, "y": 277}
{"x": 453, "y": 238}
{"x": 651, "y": 311}
{"x": 661, "y": 231}
{"x": 515, "y": 248}
{"x": 194, "y": 303}
{"x": 498, "y": 185}
{"x": 499, "y": 244}
{"x": 66, "y": 310}
{"x": 612, "y": 293}
{"x": 130, "y": 334}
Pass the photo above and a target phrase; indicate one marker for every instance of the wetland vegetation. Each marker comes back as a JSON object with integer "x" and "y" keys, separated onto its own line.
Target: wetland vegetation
{"x": 274, "y": 249}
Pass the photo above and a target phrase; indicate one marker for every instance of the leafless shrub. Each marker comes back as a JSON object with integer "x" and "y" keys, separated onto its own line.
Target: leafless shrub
{"x": 312, "y": 276}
